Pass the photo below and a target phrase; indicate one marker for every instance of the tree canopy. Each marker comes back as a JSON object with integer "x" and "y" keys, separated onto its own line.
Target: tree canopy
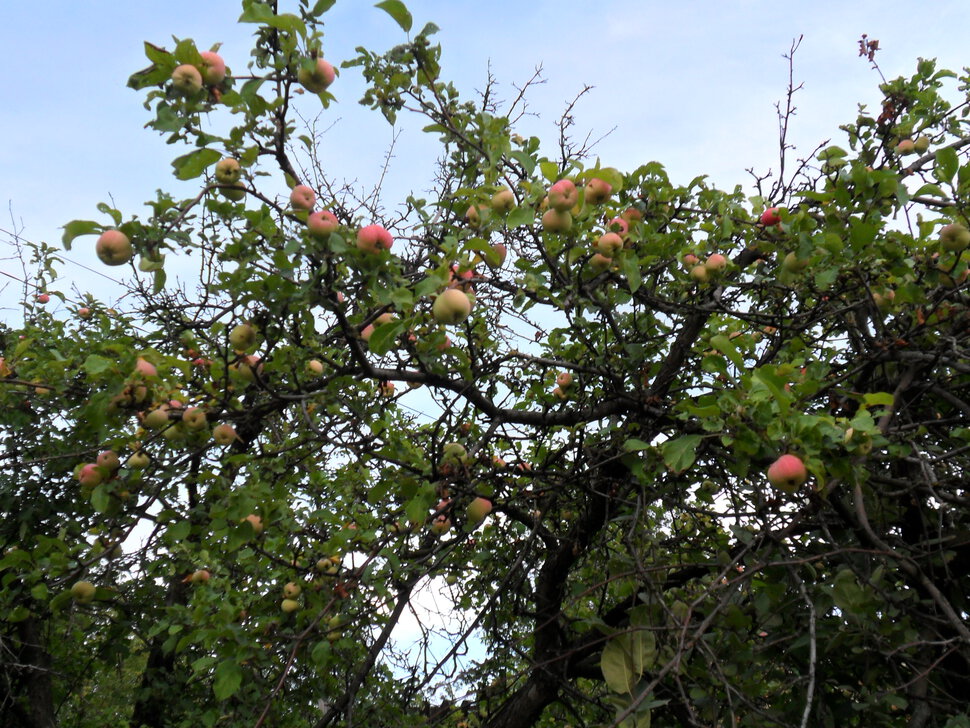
{"x": 550, "y": 444}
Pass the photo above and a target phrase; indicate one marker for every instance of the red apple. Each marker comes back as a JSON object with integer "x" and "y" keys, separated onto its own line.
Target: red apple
{"x": 770, "y": 217}
{"x": 787, "y": 473}
{"x": 563, "y": 195}
{"x": 43, "y": 298}
{"x": 619, "y": 225}
{"x": 84, "y": 312}
{"x": 90, "y": 475}
{"x": 322, "y": 223}
{"x": 302, "y": 198}
{"x": 213, "y": 68}
{"x": 374, "y": 239}
{"x": 145, "y": 368}
{"x": 598, "y": 191}
{"x": 715, "y": 263}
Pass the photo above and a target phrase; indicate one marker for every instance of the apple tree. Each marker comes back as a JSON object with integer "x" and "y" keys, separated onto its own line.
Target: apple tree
{"x": 550, "y": 444}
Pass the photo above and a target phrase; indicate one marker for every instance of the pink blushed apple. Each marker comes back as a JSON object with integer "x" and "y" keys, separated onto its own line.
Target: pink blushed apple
{"x": 787, "y": 473}
{"x": 374, "y": 239}
{"x": 302, "y": 198}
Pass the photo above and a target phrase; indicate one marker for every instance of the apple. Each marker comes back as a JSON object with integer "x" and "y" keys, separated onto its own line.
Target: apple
{"x": 84, "y": 312}
{"x": 138, "y": 460}
{"x": 474, "y": 215}
{"x": 690, "y": 259}
{"x": 322, "y": 223}
{"x": 884, "y": 301}
{"x": 906, "y": 147}
{"x": 598, "y": 191}
{"x": 83, "y": 592}
{"x": 478, "y": 509}
{"x": 563, "y": 195}
{"x": 145, "y": 368}
{"x": 113, "y": 248}
{"x": 558, "y": 393}
{"x": 43, "y": 298}
{"x": 556, "y": 221}
{"x": 108, "y": 461}
{"x": 451, "y": 307}
{"x": 242, "y": 337}
{"x": 374, "y": 239}
{"x": 461, "y": 278}
{"x": 255, "y": 522}
{"x": 787, "y": 473}
{"x": 289, "y": 605}
{"x": 954, "y": 237}
{"x": 770, "y": 217}
{"x": 315, "y": 367}
{"x": 440, "y": 525}
{"x": 213, "y": 68}
{"x": 715, "y": 263}
{"x": 302, "y": 198}
{"x": 453, "y": 452}
{"x": 228, "y": 171}
{"x": 921, "y": 144}
{"x": 564, "y": 380}
{"x": 224, "y": 434}
{"x": 793, "y": 264}
{"x": 699, "y": 273}
{"x": 386, "y": 389}
{"x": 186, "y": 80}
{"x": 90, "y": 475}
{"x": 199, "y": 577}
{"x": 599, "y": 263}
{"x": 368, "y": 331}
{"x": 194, "y": 418}
{"x": 234, "y": 192}
{"x": 157, "y": 418}
{"x": 291, "y": 590}
{"x": 609, "y": 244}
{"x": 619, "y": 225}
{"x": 247, "y": 368}
{"x": 315, "y": 75}
{"x": 502, "y": 252}
{"x": 632, "y": 215}
{"x": 503, "y": 201}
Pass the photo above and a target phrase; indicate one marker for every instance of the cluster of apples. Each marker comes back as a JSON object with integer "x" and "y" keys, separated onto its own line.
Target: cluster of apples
{"x": 188, "y": 79}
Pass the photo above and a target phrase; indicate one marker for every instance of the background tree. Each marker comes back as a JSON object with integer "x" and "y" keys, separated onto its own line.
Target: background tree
{"x": 671, "y": 455}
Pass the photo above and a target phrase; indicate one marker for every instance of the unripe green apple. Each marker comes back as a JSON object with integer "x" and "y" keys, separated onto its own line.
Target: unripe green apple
{"x": 598, "y": 191}
{"x": 563, "y": 195}
{"x": 109, "y": 461}
{"x": 503, "y": 201}
{"x": 247, "y": 368}
{"x": 242, "y": 337}
{"x": 291, "y": 590}
{"x": 440, "y": 525}
{"x": 113, "y": 248}
{"x": 289, "y": 605}
{"x": 954, "y": 237}
{"x": 83, "y": 592}
{"x": 228, "y": 171}
{"x": 451, "y": 306}
{"x": 699, "y": 273}
{"x": 787, "y": 473}
{"x": 475, "y": 214}
{"x": 374, "y": 239}
{"x": 186, "y": 80}
{"x": 213, "y": 68}
{"x": 194, "y": 418}
{"x": 315, "y": 75}
{"x": 157, "y": 418}
{"x": 235, "y": 192}
{"x": 599, "y": 263}
{"x": 302, "y": 198}
{"x": 224, "y": 434}
{"x": 921, "y": 144}
{"x": 138, "y": 460}
{"x": 793, "y": 264}
{"x": 556, "y": 221}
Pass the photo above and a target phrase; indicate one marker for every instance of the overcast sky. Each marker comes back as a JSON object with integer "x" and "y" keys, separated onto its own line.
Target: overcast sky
{"x": 690, "y": 84}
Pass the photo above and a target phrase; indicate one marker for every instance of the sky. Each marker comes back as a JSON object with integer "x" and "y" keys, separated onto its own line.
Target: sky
{"x": 692, "y": 85}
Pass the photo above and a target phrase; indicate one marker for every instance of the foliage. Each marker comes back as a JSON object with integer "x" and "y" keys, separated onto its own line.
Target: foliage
{"x": 636, "y": 568}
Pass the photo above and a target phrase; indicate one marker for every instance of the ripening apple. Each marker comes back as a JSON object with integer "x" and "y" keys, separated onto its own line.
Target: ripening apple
{"x": 563, "y": 195}
{"x": 503, "y": 201}
{"x": 194, "y": 418}
{"x": 715, "y": 263}
{"x": 228, "y": 171}
{"x": 954, "y": 237}
{"x": 316, "y": 75}
{"x": 599, "y": 263}
{"x": 475, "y": 214}
{"x": 386, "y": 389}
{"x": 906, "y": 147}
{"x": 440, "y": 525}
{"x": 247, "y": 368}
{"x": 478, "y": 509}
{"x": 255, "y": 522}
{"x": 564, "y": 380}
{"x": 322, "y": 223}
{"x": 315, "y": 367}
{"x": 559, "y": 393}
{"x": 632, "y": 215}
{"x": 787, "y": 473}
{"x": 502, "y": 252}
{"x": 690, "y": 259}
{"x": 598, "y": 191}
{"x": 108, "y": 461}
{"x": 242, "y": 337}
{"x": 292, "y": 590}
{"x": 609, "y": 244}
{"x": 186, "y": 80}
{"x": 619, "y": 225}
{"x": 213, "y": 68}
{"x": 145, "y": 368}
{"x": 556, "y": 221}
{"x": 84, "y": 312}
{"x": 90, "y": 475}
{"x": 113, "y": 248}
{"x": 368, "y": 331}
{"x": 374, "y": 239}
{"x": 302, "y": 198}
{"x": 699, "y": 273}
{"x": 199, "y": 577}
{"x": 224, "y": 434}
{"x": 770, "y": 217}
{"x": 157, "y": 418}
{"x": 451, "y": 306}
{"x": 83, "y": 591}
{"x": 793, "y": 264}
{"x": 884, "y": 301}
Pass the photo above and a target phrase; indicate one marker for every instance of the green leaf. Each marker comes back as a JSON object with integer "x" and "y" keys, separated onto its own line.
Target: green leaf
{"x": 384, "y": 337}
{"x": 630, "y": 267}
{"x": 193, "y": 164}
{"x": 397, "y": 10}
{"x": 642, "y": 645}
{"x": 77, "y": 228}
{"x": 228, "y": 678}
{"x": 947, "y": 163}
{"x": 520, "y": 216}
{"x": 724, "y": 345}
{"x": 680, "y": 454}
{"x": 321, "y": 7}
{"x": 878, "y": 398}
{"x": 634, "y": 444}
{"x": 617, "y": 667}
{"x": 525, "y": 159}
{"x": 95, "y": 365}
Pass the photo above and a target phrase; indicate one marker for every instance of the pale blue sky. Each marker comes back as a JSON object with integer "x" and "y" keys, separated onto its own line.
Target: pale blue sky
{"x": 690, "y": 84}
